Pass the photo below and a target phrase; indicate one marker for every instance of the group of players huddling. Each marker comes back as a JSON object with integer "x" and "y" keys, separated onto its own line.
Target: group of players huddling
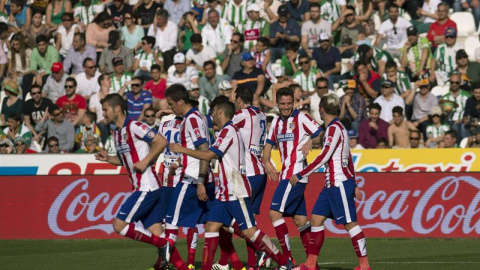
{"x": 187, "y": 194}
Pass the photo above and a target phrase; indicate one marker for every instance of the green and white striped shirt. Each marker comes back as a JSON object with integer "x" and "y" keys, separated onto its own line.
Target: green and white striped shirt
{"x": 437, "y": 131}
{"x": 261, "y": 25}
{"x": 461, "y": 100}
{"x": 445, "y": 57}
{"x": 307, "y": 82}
{"x": 330, "y": 10}
{"x": 87, "y": 14}
{"x": 235, "y": 15}
{"x": 118, "y": 83}
{"x": 402, "y": 84}
{"x": 414, "y": 54}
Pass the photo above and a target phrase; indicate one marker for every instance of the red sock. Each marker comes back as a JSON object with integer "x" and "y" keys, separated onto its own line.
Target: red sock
{"x": 282, "y": 234}
{"x": 316, "y": 242}
{"x": 143, "y": 236}
{"x": 227, "y": 250}
{"x": 263, "y": 243}
{"x": 177, "y": 261}
{"x": 305, "y": 236}
{"x": 209, "y": 249}
{"x": 192, "y": 237}
{"x": 358, "y": 241}
{"x": 171, "y": 232}
{"x": 252, "y": 256}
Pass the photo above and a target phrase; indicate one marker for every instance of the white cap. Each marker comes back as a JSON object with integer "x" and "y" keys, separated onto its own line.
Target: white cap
{"x": 179, "y": 58}
{"x": 192, "y": 86}
{"x": 278, "y": 72}
{"x": 253, "y": 7}
{"x": 224, "y": 85}
{"x": 324, "y": 36}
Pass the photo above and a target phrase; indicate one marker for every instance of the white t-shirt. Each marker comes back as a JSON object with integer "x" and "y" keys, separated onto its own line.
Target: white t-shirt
{"x": 201, "y": 57}
{"x": 313, "y": 30}
{"x": 396, "y": 37}
{"x": 86, "y": 87}
{"x": 185, "y": 79}
{"x": 217, "y": 38}
{"x": 166, "y": 39}
{"x": 387, "y": 106}
{"x": 67, "y": 39}
{"x": 95, "y": 103}
{"x": 430, "y": 8}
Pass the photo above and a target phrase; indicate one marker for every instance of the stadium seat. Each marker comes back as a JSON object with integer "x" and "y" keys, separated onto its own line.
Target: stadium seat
{"x": 464, "y": 143}
{"x": 465, "y": 23}
{"x": 439, "y": 91}
{"x": 471, "y": 44}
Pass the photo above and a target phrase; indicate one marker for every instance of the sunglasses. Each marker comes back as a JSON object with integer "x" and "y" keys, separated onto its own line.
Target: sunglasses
{"x": 53, "y": 145}
{"x": 149, "y": 115}
{"x": 136, "y": 85}
{"x": 462, "y": 57}
{"x": 57, "y": 114}
{"x": 326, "y": 40}
{"x": 35, "y": 93}
{"x": 449, "y": 37}
{"x": 303, "y": 63}
{"x": 322, "y": 87}
{"x": 437, "y": 115}
{"x": 414, "y": 139}
{"x": 234, "y": 41}
{"x": 19, "y": 144}
{"x": 68, "y": 20}
{"x": 91, "y": 67}
{"x": 454, "y": 82}
{"x": 69, "y": 86}
{"x": 128, "y": 18}
{"x": 3, "y": 145}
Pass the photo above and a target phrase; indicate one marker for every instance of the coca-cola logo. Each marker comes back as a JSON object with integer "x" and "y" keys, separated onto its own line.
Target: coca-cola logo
{"x": 442, "y": 206}
{"x": 74, "y": 206}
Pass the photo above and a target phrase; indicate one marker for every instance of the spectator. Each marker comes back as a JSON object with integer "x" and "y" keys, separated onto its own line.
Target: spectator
{"x": 450, "y": 139}
{"x": 119, "y": 77}
{"x": 436, "y": 129}
{"x": 373, "y": 128}
{"x": 34, "y": 108}
{"x": 423, "y": 103}
{"x": 77, "y": 54}
{"x": 282, "y": 32}
{"x": 471, "y": 118}
{"x": 290, "y": 60}
{"x": 91, "y": 144}
{"x": 261, "y": 54}
{"x": 149, "y": 118}
{"x": 4, "y": 34}
{"x": 444, "y": 61}
{"x": 57, "y": 126}
{"x": 18, "y": 59}
{"x": 368, "y": 82}
{"x": 54, "y": 12}
{"x": 332, "y": 9}
{"x": 428, "y": 15}
{"x": 199, "y": 7}
{"x": 374, "y": 58}
{"x": 254, "y": 27}
{"x": 21, "y": 147}
{"x": 470, "y": 71}
{"x": 233, "y": 55}
{"x": 115, "y": 49}
{"x": 145, "y": 59}
{"x": 88, "y": 79}
{"x": 199, "y": 54}
{"x": 53, "y": 145}
{"x": 300, "y": 102}
{"x": 11, "y": 104}
{"x": 321, "y": 88}
{"x": 401, "y": 80}
{"x": 146, "y": 13}
{"x": 73, "y": 106}
{"x": 132, "y": 33}
{"x": 225, "y": 89}
{"x": 235, "y": 11}
{"x": 95, "y": 106}
{"x": 458, "y": 98}
{"x": 465, "y": 5}
{"x": 415, "y": 139}
{"x": 190, "y": 28}
{"x": 138, "y": 100}
{"x": 250, "y": 76}
{"x": 437, "y": 29}
{"x": 85, "y": 12}
{"x": 183, "y": 74}
{"x": 307, "y": 75}
{"x": 16, "y": 130}
{"x": 20, "y": 16}
{"x": 65, "y": 34}
{"x": 398, "y": 131}
{"x": 37, "y": 28}
{"x": 364, "y": 11}
{"x": 176, "y": 9}
{"x": 268, "y": 11}
{"x": 165, "y": 33}
{"x": 97, "y": 32}
{"x": 209, "y": 81}
{"x": 388, "y": 100}
{"x": 6, "y": 146}
{"x": 41, "y": 61}
{"x": 118, "y": 11}
{"x": 157, "y": 86}
{"x": 86, "y": 129}
{"x": 217, "y": 33}
{"x": 350, "y": 32}
{"x": 269, "y": 101}
{"x": 298, "y": 10}
{"x": 55, "y": 85}
{"x": 416, "y": 54}
{"x": 353, "y": 108}
{"x": 394, "y": 30}
{"x": 353, "y": 140}
{"x": 194, "y": 94}
{"x": 328, "y": 59}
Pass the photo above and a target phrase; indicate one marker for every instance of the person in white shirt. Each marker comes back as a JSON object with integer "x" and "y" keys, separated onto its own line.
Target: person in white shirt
{"x": 87, "y": 81}
{"x": 182, "y": 74}
{"x": 65, "y": 33}
{"x": 394, "y": 30}
{"x": 199, "y": 54}
{"x": 388, "y": 100}
{"x": 217, "y": 33}
{"x": 166, "y": 33}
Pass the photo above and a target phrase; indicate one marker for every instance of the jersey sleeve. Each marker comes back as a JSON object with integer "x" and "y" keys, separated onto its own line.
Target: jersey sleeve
{"x": 223, "y": 141}
{"x": 239, "y": 119}
{"x": 197, "y": 130}
{"x": 272, "y": 134}
{"x": 311, "y": 126}
{"x": 142, "y": 132}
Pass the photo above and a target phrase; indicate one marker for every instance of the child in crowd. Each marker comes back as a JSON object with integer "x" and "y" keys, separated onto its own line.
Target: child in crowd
{"x": 437, "y": 129}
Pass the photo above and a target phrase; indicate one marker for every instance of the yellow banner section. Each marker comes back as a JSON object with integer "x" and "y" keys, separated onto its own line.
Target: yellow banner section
{"x": 407, "y": 160}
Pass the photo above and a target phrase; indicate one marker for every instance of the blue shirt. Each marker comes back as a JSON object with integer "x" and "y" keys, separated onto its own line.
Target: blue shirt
{"x": 293, "y": 29}
{"x": 249, "y": 80}
{"x": 326, "y": 60}
{"x": 135, "y": 106}
{"x": 297, "y": 13}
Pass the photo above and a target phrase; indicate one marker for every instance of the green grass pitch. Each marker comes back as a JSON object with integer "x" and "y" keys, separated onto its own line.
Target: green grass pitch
{"x": 336, "y": 254}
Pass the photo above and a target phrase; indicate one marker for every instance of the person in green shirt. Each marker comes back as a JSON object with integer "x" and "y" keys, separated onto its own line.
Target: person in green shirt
{"x": 190, "y": 28}
{"x": 254, "y": 27}
{"x": 290, "y": 59}
{"x": 416, "y": 54}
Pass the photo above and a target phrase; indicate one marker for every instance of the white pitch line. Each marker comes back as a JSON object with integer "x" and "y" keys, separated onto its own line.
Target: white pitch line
{"x": 373, "y": 262}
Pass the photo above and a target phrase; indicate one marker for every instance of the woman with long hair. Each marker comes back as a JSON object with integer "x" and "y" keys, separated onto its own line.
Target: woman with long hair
{"x": 132, "y": 33}
{"x": 36, "y": 28}
{"x": 97, "y": 32}
{"x": 18, "y": 58}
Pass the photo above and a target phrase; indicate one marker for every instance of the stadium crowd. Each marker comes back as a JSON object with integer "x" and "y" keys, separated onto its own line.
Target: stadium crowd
{"x": 58, "y": 60}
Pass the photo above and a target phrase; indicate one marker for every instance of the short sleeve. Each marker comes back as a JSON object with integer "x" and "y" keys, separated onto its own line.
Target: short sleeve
{"x": 142, "y": 132}
{"x": 310, "y": 126}
{"x": 239, "y": 119}
{"x": 223, "y": 141}
{"x": 196, "y": 130}
{"x": 82, "y": 104}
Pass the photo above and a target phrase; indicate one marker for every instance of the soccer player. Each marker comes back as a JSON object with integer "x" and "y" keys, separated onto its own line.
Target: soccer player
{"x": 137, "y": 146}
{"x": 336, "y": 200}
{"x": 289, "y": 132}
{"x": 189, "y": 199}
{"x": 232, "y": 198}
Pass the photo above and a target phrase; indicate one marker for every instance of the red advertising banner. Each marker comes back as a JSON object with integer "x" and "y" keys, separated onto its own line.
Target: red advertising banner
{"x": 394, "y": 205}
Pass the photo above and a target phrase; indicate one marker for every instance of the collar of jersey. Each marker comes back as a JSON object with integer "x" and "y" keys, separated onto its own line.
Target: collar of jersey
{"x": 254, "y": 108}
{"x": 333, "y": 121}
{"x": 227, "y": 123}
{"x": 190, "y": 112}
{"x": 126, "y": 122}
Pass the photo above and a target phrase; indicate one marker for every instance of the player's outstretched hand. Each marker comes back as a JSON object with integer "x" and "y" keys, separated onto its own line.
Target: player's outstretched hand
{"x": 140, "y": 166}
{"x": 271, "y": 171}
{"x": 102, "y": 155}
{"x": 175, "y": 147}
{"x": 201, "y": 192}
{"x": 307, "y": 147}
{"x": 293, "y": 180}
{"x": 358, "y": 194}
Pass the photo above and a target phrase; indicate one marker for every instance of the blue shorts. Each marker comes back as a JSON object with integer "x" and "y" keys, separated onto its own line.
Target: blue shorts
{"x": 337, "y": 203}
{"x": 225, "y": 212}
{"x": 210, "y": 189}
{"x": 289, "y": 200}
{"x": 166, "y": 194}
{"x": 141, "y": 206}
{"x": 258, "y": 183}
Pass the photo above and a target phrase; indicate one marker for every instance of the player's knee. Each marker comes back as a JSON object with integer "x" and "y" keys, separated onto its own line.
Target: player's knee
{"x": 350, "y": 225}
{"x": 275, "y": 215}
{"x": 248, "y": 233}
{"x": 118, "y": 225}
{"x": 300, "y": 220}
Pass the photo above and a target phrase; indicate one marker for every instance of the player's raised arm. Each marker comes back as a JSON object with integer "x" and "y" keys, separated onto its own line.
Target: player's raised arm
{"x": 206, "y": 155}
{"x": 157, "y": 145}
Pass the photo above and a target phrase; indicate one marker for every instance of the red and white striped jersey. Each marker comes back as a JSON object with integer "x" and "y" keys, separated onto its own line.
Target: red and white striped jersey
{"x": 252, "y": 124}
{"x": 132, "y": 144}
{"x": 232, "y": 183}
{"x": 335, "y": 156}
{"x": 290, "y": 135}
{"x": 193, "y": 133}
{"x": 171, "y": 131}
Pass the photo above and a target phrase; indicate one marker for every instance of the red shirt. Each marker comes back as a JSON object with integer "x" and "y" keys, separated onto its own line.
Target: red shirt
{"x": 70, "y": 107}
{"x": 439, "y": 29}
{"x": 158, "y": 91}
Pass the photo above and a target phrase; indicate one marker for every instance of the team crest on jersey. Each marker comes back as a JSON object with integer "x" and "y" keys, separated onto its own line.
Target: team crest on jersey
{"x": 197, "y": 133}
{"x": 143, "y": 127}
{"x": 219, "y": 141}
{"x": 125, "y": 136}
{"x": 328, "y": 140}
{"x": 150, "y": 134}
{"x": 292, "y": 126}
